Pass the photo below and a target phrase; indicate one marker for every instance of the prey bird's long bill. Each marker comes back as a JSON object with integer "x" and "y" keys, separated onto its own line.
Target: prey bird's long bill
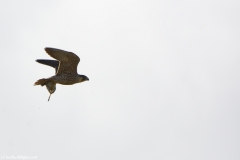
{"x": 49, "y": 96}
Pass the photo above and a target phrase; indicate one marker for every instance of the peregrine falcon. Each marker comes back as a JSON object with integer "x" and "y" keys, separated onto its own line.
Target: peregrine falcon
{"x": 66, "y": 69}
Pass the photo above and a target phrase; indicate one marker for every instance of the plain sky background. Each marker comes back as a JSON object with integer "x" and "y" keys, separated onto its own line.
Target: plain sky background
{"x": 164, "y": 80}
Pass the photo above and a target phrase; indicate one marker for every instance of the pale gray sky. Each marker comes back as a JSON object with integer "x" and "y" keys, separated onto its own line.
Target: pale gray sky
{"x": 164, "y": 80}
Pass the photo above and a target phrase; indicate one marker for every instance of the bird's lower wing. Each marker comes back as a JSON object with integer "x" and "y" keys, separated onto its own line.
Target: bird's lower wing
{"x": 51, "y": 63}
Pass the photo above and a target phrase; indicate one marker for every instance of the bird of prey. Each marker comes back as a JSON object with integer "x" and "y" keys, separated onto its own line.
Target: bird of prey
{"x": 66, "y": 69}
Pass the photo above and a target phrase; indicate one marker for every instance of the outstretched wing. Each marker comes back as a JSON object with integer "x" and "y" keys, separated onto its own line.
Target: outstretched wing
{"x": 68, "y": 60}
{"x": 52, "y": 63}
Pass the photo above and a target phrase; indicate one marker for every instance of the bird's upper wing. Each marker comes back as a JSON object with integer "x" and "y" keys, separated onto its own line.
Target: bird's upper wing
{"x": 68, "y": 60}
{"x": 52, "y": 63}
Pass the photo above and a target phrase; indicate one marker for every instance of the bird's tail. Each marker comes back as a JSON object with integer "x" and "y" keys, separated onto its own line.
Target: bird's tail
{"x": 41, "y": 82}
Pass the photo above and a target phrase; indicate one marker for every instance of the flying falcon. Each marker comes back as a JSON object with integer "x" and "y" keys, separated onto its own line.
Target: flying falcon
{"x": 66, "y": 69}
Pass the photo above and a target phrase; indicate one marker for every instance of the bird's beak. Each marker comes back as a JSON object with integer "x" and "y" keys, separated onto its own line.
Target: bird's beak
{"x": 49, "y": 96}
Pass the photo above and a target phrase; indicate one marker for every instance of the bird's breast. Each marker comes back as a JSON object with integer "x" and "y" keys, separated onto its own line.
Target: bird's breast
{"x": 66, "y": 79}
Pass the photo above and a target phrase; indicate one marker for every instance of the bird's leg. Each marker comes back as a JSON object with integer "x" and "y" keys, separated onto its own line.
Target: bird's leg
{"x": 49, "y": 96}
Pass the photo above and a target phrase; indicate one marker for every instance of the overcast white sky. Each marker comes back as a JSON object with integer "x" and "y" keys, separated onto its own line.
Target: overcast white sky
{"x": 164, "y": 80}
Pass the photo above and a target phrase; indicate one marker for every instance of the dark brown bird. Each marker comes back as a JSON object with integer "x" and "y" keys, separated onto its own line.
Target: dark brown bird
{"x": 66, "y": 69}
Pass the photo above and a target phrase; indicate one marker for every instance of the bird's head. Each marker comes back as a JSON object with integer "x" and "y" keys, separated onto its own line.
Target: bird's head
{"x": 51, "y": 87}
{"x": 82, "y": 78}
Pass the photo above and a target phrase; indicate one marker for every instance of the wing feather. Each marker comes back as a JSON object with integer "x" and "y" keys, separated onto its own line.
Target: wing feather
{"x": 51, "y": 63}
{"x": 68, "y": 60}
